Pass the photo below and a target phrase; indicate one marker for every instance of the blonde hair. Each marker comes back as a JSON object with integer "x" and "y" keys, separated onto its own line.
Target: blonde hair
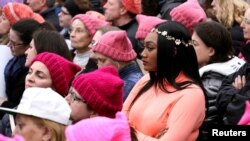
{"x": 230, "y": 12}
{"x": 57, "y": 130}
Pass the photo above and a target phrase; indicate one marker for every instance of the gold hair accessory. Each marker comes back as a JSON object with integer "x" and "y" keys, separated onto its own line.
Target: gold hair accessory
{"x": 165, "y": 34}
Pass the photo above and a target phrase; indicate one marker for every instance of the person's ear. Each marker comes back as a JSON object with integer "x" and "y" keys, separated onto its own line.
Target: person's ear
{"x": 47, "y": 134}
{"x": 211, "y": 51}
{"x": 123, "y": 11}
{"x": 42, "y": 2}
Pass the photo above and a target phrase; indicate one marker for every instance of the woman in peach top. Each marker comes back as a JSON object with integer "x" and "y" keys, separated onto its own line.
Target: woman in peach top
{"x": 167, "y": 104}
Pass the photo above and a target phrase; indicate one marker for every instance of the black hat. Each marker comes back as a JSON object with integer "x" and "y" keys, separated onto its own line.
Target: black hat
{"x": 74, "y": 9}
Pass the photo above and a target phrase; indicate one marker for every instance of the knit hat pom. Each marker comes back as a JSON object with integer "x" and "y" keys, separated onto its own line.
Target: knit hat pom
{"x": 116, "y": 45}
{"x": 146, "y": 23}
{"x": 102, "y": 90}
{"x": 189, "y": 14}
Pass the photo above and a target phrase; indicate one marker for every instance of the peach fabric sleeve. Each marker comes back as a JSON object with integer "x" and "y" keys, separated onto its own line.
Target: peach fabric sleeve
{"x": 177, "y": 116}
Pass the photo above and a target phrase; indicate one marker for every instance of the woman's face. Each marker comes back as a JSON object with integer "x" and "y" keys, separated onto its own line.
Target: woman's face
{"x": 28, "y": 129}
{"x": 79, "y": 108}
{"x": 64, "y": 18}
{"x": 4, "y": 25}
{"x": 245, "y": 24}
{"x": 31, "y": 53}
{"x": 38, "y": 76}
{"x": 149, "y": 53}
{"x": 214, "y": 3}
{"x": 203, "y": 52}
{"x": 79, "y": 36}
{"x": 103, "y": 60}
{"x": 17, "y": 46}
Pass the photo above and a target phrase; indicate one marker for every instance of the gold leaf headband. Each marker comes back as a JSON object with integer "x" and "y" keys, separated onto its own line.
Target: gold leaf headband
{"x": 168, "y": 37}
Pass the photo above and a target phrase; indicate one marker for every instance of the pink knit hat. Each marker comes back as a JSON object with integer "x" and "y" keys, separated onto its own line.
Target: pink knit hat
{"x": 133, "y": 6}
{"x": 96, "y": 14}
{"x": 102, "y": 90}
{"x": 146, "y": 23}
{"x": 245, "y": 119}
{"x": 15, "y": 138}
{"x": 61, "y": 70}
{"x": 100, "y": 128}
{"x": 189, "y": 14}
{"x": 116, "y": 45}
{"x": 90, "y": 22}
{"x": 17, "y": 11}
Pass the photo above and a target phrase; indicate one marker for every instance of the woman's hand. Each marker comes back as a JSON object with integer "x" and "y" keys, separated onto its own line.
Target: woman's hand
{"x": 239, "y": 82}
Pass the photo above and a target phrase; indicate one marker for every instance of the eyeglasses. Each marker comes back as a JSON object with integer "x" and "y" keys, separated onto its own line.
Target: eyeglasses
{"x": 13, "y": 44}
{"x": 77, "y": 31}
{"x": 74, "y": 97}
{"x": 246, "y": 21}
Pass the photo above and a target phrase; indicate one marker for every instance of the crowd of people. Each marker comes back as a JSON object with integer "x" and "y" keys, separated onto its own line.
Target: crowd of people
{"x": 123, "y": 70}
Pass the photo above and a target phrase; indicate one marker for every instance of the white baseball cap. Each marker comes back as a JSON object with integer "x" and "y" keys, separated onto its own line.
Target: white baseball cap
{"x": 43, "y": 103}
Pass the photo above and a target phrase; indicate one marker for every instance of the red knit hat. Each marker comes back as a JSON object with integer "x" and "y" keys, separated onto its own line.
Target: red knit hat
{"x": 133, "y": 6}
{"x": 189, "y": 14}
{"x": 116, "y": 45}
{"x": 61, "y": 70}
{"x": 17, "y": 11}
{"x": 90, "y": 22}
{"x": 102, "y": 90}
{"x": 146, "y": 23}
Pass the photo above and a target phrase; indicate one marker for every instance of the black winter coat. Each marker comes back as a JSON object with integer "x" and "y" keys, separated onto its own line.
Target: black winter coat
{"x": 231, "y": 101}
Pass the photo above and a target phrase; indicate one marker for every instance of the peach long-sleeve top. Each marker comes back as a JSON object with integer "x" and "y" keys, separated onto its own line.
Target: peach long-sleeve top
{"x": 157, "y": 115}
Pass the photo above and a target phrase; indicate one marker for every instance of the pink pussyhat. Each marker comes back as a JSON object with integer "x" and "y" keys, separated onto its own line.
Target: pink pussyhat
{"x": 15, "y": 138}
{"x": 100, "y": 129}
